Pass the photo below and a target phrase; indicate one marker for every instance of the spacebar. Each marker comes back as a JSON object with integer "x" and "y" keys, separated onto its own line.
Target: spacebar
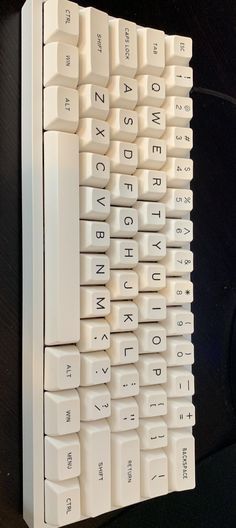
{"x": 61, "y": 202}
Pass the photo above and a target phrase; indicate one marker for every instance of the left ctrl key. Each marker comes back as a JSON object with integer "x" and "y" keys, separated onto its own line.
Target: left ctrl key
{"x": 62, "y": 502}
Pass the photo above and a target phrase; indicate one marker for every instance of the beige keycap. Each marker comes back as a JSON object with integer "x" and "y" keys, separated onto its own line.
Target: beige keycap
{"x": 179, "y": 110}
{"x": 93, "y": 101}
{"x": 95, "y": 301}
{"x": 179, "y": 172}
{"x": 123, "y": 222}
{"x": 123, "y": 349}
{"x": 123, "y": 157}
{"x": 181, "y": 460}
{"x": 94, "y": 169}
{"x": 178, "y": 232}
{"x": 178, "y": 50}
{"x": 151, "y": 90}
{"x": 123, "y": 189}
{"x": 178, "y": 291}
{"x": 62, "y": 457}
{"x": 151, "y": 338}
{"x": 94, "y": 335}
{"x": 124, "y": 415}
{"x": 95, "y": 402}
{"x": 123, "y": 316}
{"x": 94, "y": 135}
{"x": 123, "y": 124}
{"x": 93, "y": 46}
{"x": 179, "y": 141}
{"x": 152, "y": 277}
{"x": 123, "y": 284}
{"x": 94, "y": 269}
{"x": 179, "y": 351}
{"x": 61, "y": 64}
{"x": 152, "y": 401}
{"x": 151, "y": 215}
{"x": 61, "y": 367}
{"x": 94, "y": 236}
{"x": 123, "y": 253}
{"x": 62, "y": 502}
{"x": 95, "y": 368}
{"x": 125, "y": 474}
{"x": 152, "y": 246}
{"x": 151, "y": 184}
{"x": 178, "y": 80}
{"x": 178, "y": 321}
{"x": 61, "y": 109}
{"x": 61, "y": 412}
{"x": 123, "y": 47}
{"x": 94, "y": 203}
{"x": 181, "y": 413}
{"x": 152, "y": 433}
{"x": 151, "y": 307}
{"x": 151, "y": 153}
{"x": 124, "y": 381}
{"x": 123, "y": 92}
{"x": 151, "y": 121}
{"x": 61, "y": 22}
{"x": 180, "y": 382}
{"x": 154, "y": 470}
{"x": 151, "y": 51}
{"x": 178, "y": 261}
{"x": 152, "y": 369}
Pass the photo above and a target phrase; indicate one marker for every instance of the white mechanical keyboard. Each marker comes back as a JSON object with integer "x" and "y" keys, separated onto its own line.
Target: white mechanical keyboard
{"x": 107, "y": 352}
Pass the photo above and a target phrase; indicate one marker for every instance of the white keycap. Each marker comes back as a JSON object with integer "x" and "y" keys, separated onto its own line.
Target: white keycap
{"x": 123, "y": 222}
{"x": 123, "y": 189}
{"x": 61, "y": 412}
{"x": 61, "y": 367}
{"x": 178, "y": 80}
{"x": 152, "y": 401}
{"x": 124, "y": 415}
{"x": 62, "y": 502}
{"x": 180, "y": 382}
{"x": 181, "y": 413}
{"x": 61, "y": 22}
{"x": 61, "y": 109}
{"x": 93, "y": 46}
{"x": 178, "y": 261}
{"x": 178, "y": 232}
{"x": 95, "y": 476}
{"x": 151, "y": 338}
{"x": 178, "y": 202}
{"x": 178, "y": 49}
{"x": 94, "y": 335}
{"x": 123, "y": 124}
{"x": 123, "y": 349}
{"x": 95, "y": 368}
{"x": 179, "y": 351}
{"x": 179, "y": 110}
{"x": 152, "y": 369}
{"x": 123, "y": 92}
{"x": 152, "y": 246}
{"x": 61, "y": 64}
{"x": 151, "y": 184}
{"x": 95, "y": 301}
{"x": 95, "y": 402}
{"x": 123, "y": 316}
{"x": 123, "y": 47}
{"x": 151, "y": 51}
{"x": 151, "y": 307}
{"x": 154, "y": 471}
{"x": 94, "y": 169}
{"x": 124, "y": 381}
{"x": 179, "y": 172}
{"x": 151, "y": 121}
{"x": 151, "y": 215}
{"x": 94, "y": 236}
{"x": 178, "y": 291}
{"x": 123, "y": 284}
{"x": 94, "y": 135}
{"x": 94, "y": 203}
{"x": 152, "y": 433}
{"x": 181, "y": 460}
{"x": 151, "y": 90}
{"x": 125, "y": 459}
{"x": 179, "y": 141}
{"x": 62, "y": 457}
{"x": 61, "y": 207}
{"x": 93, "y": 101}
{"x": 152, "y": 277}
{"x": 123, "y": 253}
{"x": 178, "y": 321}
{"x": 94, "y": 269}
{"x": 123, "y": 157}
{"x": 151, "y": 153}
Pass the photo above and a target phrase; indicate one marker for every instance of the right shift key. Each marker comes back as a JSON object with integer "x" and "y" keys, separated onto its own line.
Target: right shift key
{"x": 181, "y": 460}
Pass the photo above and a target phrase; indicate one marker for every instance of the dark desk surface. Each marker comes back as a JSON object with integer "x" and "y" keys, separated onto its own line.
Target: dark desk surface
{"x": 212, "y": 25}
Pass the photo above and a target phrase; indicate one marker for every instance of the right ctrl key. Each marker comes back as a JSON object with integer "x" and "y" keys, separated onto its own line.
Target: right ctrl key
{"x": 181, "y": 460}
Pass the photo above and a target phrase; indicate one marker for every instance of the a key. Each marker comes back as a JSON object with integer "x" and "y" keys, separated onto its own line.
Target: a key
{"x": 123, "y": 316}
{"x": 178, "y": 262}
{"x": 179, "y": 141}
{"x": 94, "y": 169}
{"x": 95, "y": 368}
{"x": 178, "y": 321}
{"x": 181, "y": 460}
{"x": 123, "y": 222}
{"x": 178, "y": 50}
{"x": 61, "y": 367}
{"x": 151, "y": 51}
{"x": 152, "y": 153}
{"x": 95, "y": 476}
{"x": 124, "y": 381}
{"x": 61, "y": 412}
{"x": 178, "y": 202}
{"x": 152, "y": 277}
{"x": 179, "y": 172}
{"x": 123, "y": 349}
{"x": 62, "y": 502}
{"x": 151, "y": 90}
{"x": 61, "y": 22}
{"x": 93, "y": 46}
{"x": 123, "y": 157}
{"x": 94, "y": 335}
{"x": 123, "y": 189}
{"x": 154, "y": 471}
{"x": 123, "y": 284}
{"x": 95, "y": 402}
{"x": 61, "y": 109}
{"x": 178, "y": 232}
{"x": 123, "y": 253}
{"x": 125, "y": 459}
{"x": 62, "y": 457}
{"x": 151, "y": 121}
{"x": 124, "y": 415}
{"x": 123, "y": 92}
{"x": 94, "y": 203}
{"x": 151, "y": 307}
{"x": 151, "y": 338}
{"x": 152, "y": 433}
{"x": 94, "y": 135}
{"x": 93, "y": 101}
{"x": 94, "y": 236}
{"x": 151, "y": 184}
{"x": 123, "y": 47}
{"x": 123, "y": 124}
{"x": 151, "y": 215}
{"x": 179, "y": 351}
{"x": 152, "y": 401}
{"x": 180, "y": 382}
{"x": 94, "y": 269}
{"x": 152, "y": 369}
{"x": 178, "y": 110}
{"x": 178, "y": 80}
{"x": 61, "y": 65}
{"x": 178, "y": 291}
{"x": 152, "y": 246}
{"x": 181, "y": 413}
{"x": 95, "y": 301}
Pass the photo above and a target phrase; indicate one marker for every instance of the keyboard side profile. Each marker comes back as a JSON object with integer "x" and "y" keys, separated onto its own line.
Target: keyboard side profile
{"x": 107, "y": 324}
